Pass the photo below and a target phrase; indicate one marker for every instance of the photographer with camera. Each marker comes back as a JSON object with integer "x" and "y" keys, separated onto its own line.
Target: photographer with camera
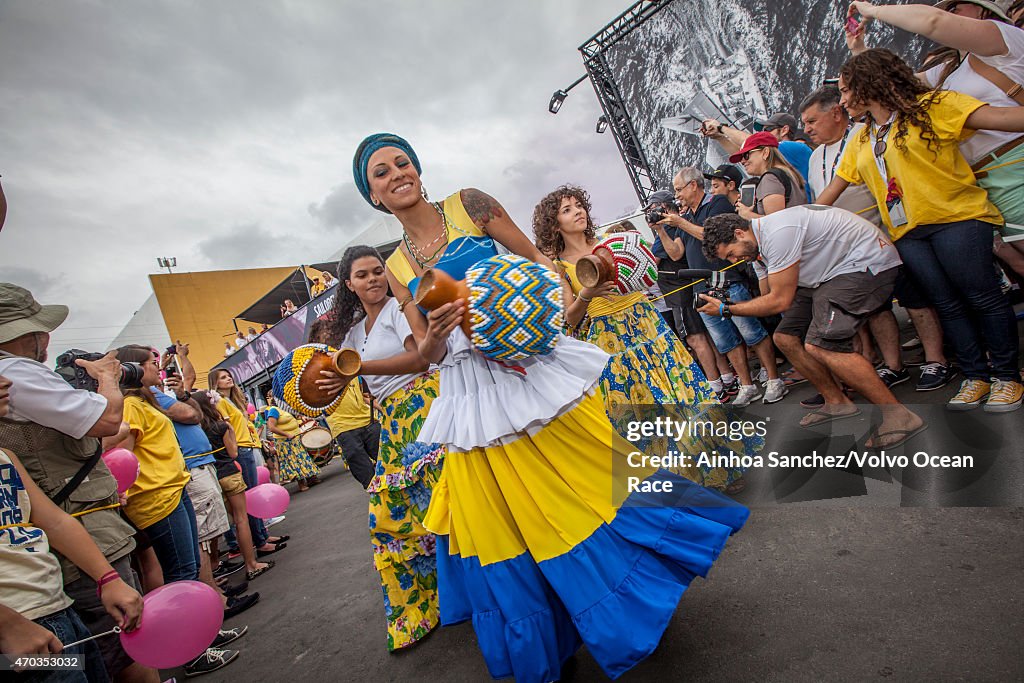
{"x": 55, "y": 428}
{"x": 828, "y": 270}
{"x": 660, "y": 207}
{"x": 731, "y": 337}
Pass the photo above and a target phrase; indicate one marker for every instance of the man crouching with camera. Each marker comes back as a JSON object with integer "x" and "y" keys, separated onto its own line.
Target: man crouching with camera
{"x": 828, "y": 270}
{"x": 56, "y": 429}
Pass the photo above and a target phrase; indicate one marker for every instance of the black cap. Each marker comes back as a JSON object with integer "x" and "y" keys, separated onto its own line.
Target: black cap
{"x": 726, "y": 172}
{"x": 777, "y": 120}
{"x": 660, "y": 197}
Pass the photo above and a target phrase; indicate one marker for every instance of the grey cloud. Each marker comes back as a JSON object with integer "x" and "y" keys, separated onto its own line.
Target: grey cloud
{"x": 42, "y": 284}
{"x": 247, "y": 245}
{"x": 344, "y": 208}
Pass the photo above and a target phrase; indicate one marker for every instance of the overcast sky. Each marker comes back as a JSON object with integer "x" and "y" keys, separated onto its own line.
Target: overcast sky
{"x": 222, "y": 133}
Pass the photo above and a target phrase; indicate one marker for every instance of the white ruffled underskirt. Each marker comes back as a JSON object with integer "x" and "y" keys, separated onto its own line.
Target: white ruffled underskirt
{"x": 482, "y": 403}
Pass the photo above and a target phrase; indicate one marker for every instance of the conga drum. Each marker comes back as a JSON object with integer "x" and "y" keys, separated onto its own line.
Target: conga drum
{"x": 319, "y": 444}
{"x": 623, "y": 258}
{"x": 296, "y": 376}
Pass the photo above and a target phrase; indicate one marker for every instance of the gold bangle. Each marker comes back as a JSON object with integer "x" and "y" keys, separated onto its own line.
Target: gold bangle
{"x": 583, "y": 298}
{"x": 404, "y": 302}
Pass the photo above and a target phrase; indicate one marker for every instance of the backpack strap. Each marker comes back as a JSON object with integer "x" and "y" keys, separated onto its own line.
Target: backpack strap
{"x": 1011, "y": 88}
{"x": 784, "y": 178}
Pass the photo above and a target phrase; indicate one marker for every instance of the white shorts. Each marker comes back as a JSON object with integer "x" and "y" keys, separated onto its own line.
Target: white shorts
{"x": 207, "y": 499}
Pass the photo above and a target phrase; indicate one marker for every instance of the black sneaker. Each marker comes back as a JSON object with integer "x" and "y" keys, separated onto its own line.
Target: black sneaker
{"x": 232, "y": 591}
{"x": 227, "y": 569}
{"x": 892, "y": 377}
{"x": 723, "y": 396}
{"x": 238, "y": 605}
{"x": 228, "y": 635}
{"x": 210, "y": 661}
{"x": 731, "y": 389}
{"x": 813, "y": 402}
{"x": 935, "y": 376}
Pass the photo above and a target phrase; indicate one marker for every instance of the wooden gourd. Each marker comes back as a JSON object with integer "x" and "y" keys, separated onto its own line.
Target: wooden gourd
{"x": 437, "y": 288}
{"x": 345, "y": 362}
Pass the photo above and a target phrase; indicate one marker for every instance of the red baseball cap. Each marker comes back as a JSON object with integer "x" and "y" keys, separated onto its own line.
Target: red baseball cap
{"x": 762, "y": 139}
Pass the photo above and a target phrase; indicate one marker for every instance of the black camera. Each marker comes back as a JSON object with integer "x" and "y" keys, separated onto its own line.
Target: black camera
{"x": 717, "y": 284}
{"x": 655, "y": 214}
{"x": 76, "y": 376}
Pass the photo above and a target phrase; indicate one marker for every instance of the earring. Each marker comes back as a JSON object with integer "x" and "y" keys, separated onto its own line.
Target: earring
{"x": 423, "y": 191}
{"x": 376, "y": 202}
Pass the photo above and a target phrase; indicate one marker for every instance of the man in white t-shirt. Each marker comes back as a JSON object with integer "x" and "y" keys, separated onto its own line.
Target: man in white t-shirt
{"x": 826, "y": 270}
{"x": 830, "y": 127}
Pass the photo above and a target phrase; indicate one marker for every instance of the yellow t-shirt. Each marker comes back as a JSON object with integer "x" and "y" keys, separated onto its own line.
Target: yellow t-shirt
{"x": 239, "y": 422}
{"x": 162, "y": 472}
{"x": 286, "y": 422}
{"x": 351, "y": 413}
{"x": 601, "y": 305}
{"x": 936, "y": 189}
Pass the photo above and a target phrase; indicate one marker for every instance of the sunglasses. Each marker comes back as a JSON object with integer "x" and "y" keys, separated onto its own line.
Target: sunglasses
{"x": 880, "y": 140}
{"x": 746, "y": 155}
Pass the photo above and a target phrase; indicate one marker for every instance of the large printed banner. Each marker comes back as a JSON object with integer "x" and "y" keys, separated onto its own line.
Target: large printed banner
{"x": 272, "y": 346}
{"x": 742, "y": 58}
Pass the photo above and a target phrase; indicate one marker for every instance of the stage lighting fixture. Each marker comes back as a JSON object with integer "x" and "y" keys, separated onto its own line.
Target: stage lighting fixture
{"x": 602, "y": 124}
{"x": 559, "y": 96}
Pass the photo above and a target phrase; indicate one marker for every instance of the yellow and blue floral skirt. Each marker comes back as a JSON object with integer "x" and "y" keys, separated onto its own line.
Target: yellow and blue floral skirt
{"x": 535, "y": 548}
{"x": 403, "y": 551}
{"x": 293, "y": 460}
{"x": 649, "y": 366}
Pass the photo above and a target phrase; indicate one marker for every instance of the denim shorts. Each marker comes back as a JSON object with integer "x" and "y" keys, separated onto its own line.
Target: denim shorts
{"x": 728, "y": 333}
{"x": 93, "y": 614}
{"x": 68, "y": 628}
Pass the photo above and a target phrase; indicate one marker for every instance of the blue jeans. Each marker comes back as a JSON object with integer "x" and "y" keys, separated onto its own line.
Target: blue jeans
{"x": 728, "y": 333}
{"x": 954, "y": 265}
{"x": 68, "y": 628}
{"x": 176, "y": 542}
{"x": 247, "y": 459}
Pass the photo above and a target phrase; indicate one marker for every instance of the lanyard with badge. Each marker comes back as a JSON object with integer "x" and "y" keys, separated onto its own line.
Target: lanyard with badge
{"x": 825, "y": 175}
{"x": 894, "y": 196}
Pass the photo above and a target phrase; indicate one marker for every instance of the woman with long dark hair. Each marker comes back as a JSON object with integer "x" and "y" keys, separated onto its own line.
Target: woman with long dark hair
{"x": 908, "y": 156}
{"x": 366, "y": 319}
{"x": 225, "y": 451}
{"x": 648, "y": 364}
{"x": 233, "y": 410}
{"x": 157, "y": 502}
{"x": 531, "y": 547}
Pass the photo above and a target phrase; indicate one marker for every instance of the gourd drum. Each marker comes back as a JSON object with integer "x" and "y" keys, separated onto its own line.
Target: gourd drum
{"x": 623, "y": 258}
{"x": 296, "y": 376}
{"x": 515, "y": 305}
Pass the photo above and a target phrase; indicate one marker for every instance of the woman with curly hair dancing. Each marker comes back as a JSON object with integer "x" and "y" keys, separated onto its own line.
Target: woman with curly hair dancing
{"x": 941, "y": 221}
{"x": 648, "y": 365}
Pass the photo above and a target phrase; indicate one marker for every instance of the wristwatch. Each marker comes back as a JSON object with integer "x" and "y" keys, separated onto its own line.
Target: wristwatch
{"x": 723, "y": 310}
{"x": 183, "y": 397}
{"x": 719, "y": 128}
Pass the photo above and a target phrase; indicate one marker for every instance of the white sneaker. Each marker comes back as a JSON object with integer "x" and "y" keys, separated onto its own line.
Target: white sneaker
{"x": 273, "y": 520}
{"x": 746, "y": 395}
{"x": 774, "y": 391}
{"x": 762, "y": 377}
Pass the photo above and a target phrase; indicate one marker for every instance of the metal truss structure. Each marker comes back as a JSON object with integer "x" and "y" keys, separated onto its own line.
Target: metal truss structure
{"x": 610, "y": 97}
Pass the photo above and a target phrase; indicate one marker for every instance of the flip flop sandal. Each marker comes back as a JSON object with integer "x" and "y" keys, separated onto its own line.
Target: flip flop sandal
{"x": 908, "y": 434}
{"x": 828, "y": 417}
{"x": 280, "y": 539}
{"x": 736, "y": 487}
{"x": 249, "y": 576}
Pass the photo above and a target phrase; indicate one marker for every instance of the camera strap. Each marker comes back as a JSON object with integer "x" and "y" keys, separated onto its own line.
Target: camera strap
{"x": 79, "y": 477}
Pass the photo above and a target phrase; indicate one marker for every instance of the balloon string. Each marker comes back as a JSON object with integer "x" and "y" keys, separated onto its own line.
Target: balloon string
{"x": 116, "y": 629}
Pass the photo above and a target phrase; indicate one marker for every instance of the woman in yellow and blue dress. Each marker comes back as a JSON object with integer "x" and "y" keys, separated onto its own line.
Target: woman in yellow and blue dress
{"x": 531, "y": 546}
{"x": 648, "y": 365}
{"x": 366, "y": 319}
{"x": 293, "y": 460}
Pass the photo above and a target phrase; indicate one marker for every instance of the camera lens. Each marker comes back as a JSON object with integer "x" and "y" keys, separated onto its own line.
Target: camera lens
{"x": 131, "y": 375}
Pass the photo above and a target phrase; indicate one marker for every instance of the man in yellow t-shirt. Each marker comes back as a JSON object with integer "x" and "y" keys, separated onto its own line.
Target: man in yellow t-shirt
{"x": 356, "y": 433}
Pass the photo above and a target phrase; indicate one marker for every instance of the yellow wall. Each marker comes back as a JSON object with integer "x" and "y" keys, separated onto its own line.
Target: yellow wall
{"x": 198, "y": 308}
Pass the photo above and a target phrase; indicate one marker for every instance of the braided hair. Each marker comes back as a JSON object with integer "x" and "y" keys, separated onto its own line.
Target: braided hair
{"x": 879, "y": 75}
{"x": 348, "y": 309}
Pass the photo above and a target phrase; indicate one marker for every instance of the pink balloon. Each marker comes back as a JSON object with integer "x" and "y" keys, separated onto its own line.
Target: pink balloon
{"x": 251, "y": 409}
{"x": 266, "y": 500}
{"x": 123, "y": 464}
{"x": 262, "y": 475}
{"x": 179, "y": 621}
